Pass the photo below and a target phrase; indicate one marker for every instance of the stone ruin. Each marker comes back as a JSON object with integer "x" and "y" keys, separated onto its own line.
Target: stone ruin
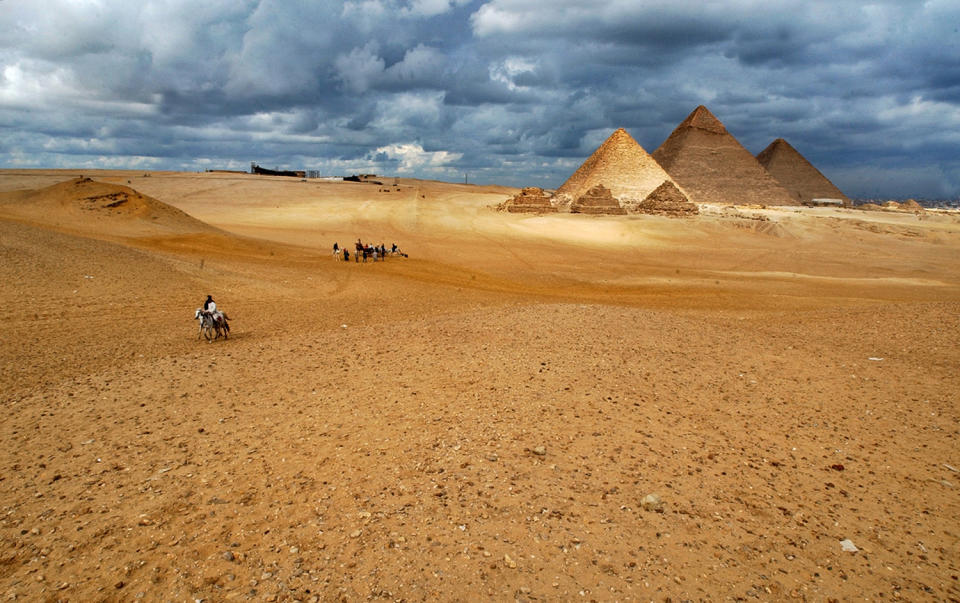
{"x": 597, "y": 200}
{"x": 666, "y": 200}
{"x": 531, "y": 200}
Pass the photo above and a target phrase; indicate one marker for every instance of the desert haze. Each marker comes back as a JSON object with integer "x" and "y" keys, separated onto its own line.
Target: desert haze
{"x": 749, "y": 403}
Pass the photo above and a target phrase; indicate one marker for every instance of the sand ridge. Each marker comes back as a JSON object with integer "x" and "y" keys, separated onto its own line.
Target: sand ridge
{"x": 483, "y": 418}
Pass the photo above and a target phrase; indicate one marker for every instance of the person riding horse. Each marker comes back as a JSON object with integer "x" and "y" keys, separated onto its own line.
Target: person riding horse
{"x": 210, "y": 309}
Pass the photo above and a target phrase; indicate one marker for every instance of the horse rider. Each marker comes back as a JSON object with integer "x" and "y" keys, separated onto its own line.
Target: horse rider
{"x": 210, "y": 309}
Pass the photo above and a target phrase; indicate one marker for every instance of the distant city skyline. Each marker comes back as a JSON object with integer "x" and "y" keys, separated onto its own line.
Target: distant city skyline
{"x": 513, "y": 92}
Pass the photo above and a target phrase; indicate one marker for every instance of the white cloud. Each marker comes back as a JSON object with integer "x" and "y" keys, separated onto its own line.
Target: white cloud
{"x": 431, "y": 8}
{"x": 508, "y": 69}
{"x": 419, "y": 64}
{"x": 359, "y": 69}
{"x": 414, "y": 111}
{"x": 411, "y": 157}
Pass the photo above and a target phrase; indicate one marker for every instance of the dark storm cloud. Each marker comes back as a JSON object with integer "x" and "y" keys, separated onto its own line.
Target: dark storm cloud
{"x": 514, "y": 91}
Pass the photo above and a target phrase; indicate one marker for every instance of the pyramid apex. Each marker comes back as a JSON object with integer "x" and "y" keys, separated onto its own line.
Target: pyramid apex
{"x": 777, "y": 147}
{"x": 702, "y": 119}
{"x": 620, "y": 133}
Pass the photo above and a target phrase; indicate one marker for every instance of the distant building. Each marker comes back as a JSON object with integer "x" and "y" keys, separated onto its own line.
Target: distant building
{"x": 256, "y": 169}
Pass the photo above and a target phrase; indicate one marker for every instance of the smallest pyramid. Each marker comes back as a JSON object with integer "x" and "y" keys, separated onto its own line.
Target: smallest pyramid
{"x": 531, "y": 200}
{"x": 597, "y": 200}
{"x": 802, "y": 180}
{"x": 667, "y": 200}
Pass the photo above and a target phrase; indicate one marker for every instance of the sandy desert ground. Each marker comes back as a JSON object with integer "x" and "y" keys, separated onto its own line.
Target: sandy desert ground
{"x": 480, "y": 420}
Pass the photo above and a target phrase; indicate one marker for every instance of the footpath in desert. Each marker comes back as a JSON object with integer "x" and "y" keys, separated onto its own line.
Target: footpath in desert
{"x": 745, "y": 403}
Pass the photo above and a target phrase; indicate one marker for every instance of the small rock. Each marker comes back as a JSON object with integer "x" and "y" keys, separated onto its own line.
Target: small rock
{"x": 228, "y": 556}
{"x": 355, "y": 534}
{"x": 652, "y": 502}
{"x": 294, "y": 550}
{"x": 540, "y": 451}
{"x": 509, "y": 562}
{"x": 848, "y": 546}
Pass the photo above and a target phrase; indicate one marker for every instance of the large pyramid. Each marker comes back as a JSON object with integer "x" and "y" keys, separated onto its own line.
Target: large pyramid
{"x": 802, "y": 180}
{"x": 621, "y": 165}
{"x": 712, "y": 167}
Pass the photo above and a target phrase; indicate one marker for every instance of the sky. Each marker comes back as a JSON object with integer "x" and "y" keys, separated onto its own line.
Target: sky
{"x": 512, "y": 92}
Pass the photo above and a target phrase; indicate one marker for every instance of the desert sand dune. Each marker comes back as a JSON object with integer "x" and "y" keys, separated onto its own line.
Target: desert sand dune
{"x": 481, "y": 420}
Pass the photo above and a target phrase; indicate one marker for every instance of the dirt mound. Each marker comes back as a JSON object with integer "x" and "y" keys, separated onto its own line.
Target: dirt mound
{"x": 911, "y": 205}
{"x": 531, "y": 200}
{"x": 86, "y": 206}
{"x": 792, "y": 170}
{"x": 597, "y": 200}
{"x": 667, "y": 200}
{"x": 621, "y": 165}
{"x": 713, "y": 167}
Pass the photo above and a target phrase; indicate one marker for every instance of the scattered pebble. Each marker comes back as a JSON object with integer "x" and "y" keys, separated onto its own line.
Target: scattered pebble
{"x": 848, "y": 546}
{"x": 652, "y": 502}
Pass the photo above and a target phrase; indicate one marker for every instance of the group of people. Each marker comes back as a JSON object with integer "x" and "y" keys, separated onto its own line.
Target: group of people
{"x": 363, "y": 251}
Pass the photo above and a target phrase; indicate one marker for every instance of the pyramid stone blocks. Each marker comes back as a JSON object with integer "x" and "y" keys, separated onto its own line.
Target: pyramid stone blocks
{"x": 621, "y": 165}
{"x": 802, "y": 180}
{"x": 531, "y": 200}
{"x": 598, "y": 200}
{"x": 667, "y": 200}
{"x": 711, "y": 166}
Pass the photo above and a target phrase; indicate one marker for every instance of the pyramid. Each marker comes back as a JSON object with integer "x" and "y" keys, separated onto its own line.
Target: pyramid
{"x": 712, "y": 167}
{"x": 621, "y": 165}
{"x": 667, "y": 200}
{"x": 802, "y": 180}
{"x": 531, "y": 200}
{"x": 597, "y": 200}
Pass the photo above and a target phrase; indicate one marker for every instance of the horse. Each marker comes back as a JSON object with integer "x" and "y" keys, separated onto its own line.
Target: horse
{"x": 212, "y": 325}
{"x": 207, "y": 325}
{"x": 220, "y": 323}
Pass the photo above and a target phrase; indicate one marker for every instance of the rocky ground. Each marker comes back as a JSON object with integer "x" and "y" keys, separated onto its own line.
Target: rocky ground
{"x": 465, "y": 426}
